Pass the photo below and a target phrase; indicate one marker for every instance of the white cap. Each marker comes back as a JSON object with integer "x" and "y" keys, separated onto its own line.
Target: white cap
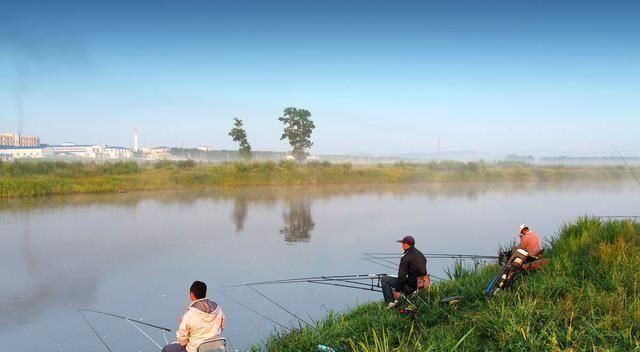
{"x": 523, "y": 226}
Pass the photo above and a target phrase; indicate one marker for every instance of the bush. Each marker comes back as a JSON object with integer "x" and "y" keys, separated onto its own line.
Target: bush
{"x": 164, "y": 164}
{"x": 186, "y": 164}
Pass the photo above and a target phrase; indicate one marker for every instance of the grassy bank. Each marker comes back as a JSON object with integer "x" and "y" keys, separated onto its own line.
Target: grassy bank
{"x": 588, "y": 299}
{"x": 25, "y": 179}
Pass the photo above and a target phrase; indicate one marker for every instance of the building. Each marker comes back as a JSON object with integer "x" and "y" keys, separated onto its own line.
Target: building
{"x": 16, "y": 140}
{"x": 91, "y": 151}
{"x": 158, "y": 153}
{"x": 13, "y": 153}
{"x": 85, "y": 151}
{"x": 113, "y": 152}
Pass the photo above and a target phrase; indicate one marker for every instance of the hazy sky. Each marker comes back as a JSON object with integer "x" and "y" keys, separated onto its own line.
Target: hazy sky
{"x": 378, "y": 76}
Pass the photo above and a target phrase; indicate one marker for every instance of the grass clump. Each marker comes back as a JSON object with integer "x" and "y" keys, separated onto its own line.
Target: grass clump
{"x": 587, "y": 299}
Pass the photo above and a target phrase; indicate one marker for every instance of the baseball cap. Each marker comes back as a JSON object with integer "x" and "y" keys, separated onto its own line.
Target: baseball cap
{"x": 408, "y": 240}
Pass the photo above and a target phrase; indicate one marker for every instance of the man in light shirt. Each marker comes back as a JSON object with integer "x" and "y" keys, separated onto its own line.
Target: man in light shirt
{"x": 202, "y": 321}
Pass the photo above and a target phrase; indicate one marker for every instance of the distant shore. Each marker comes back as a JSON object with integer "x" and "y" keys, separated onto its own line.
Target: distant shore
{"x": 31, "y": 179}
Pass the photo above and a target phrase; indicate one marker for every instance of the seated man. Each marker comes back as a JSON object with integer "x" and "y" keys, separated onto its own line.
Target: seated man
{"x": 203, "y": 320}
{"x": 530, "y": 241}
{"x": 412, "y": 265}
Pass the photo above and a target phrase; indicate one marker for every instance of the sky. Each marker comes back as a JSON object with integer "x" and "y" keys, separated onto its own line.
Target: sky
{"x": 378, "y": 77}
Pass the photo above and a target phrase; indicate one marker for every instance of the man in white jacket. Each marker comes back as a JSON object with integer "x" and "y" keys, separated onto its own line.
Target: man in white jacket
{"x": 203, "y": 320}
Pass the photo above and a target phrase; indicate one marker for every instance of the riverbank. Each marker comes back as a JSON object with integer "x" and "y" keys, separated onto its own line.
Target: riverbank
{"x": 587, "y": 299}
{"x": 28, "y": 179}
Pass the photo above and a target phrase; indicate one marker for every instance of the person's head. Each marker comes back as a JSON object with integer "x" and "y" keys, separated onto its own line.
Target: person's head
{"x": 407, "y": 242}
{"x": 523, "y": 229}
{"x": 198, "y": 290}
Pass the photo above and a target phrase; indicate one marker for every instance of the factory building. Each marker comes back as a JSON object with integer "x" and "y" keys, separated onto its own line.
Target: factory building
{"x": 91, "y": 151}
{"x": 16, "y": 140}
{"x": 8, "y": 153}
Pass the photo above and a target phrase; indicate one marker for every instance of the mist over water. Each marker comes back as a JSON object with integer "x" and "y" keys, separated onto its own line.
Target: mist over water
{"x": 137, "y": 254}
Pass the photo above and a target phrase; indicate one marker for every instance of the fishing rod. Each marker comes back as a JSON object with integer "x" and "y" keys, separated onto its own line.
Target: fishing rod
{"x": 311, "y": 279}
{"x": 131, "y": 321}
{"x": 279, "y": 305}
{"x": 251, "y": 309}
{"x": 627, "y": 165}
{"x": 432, "y": 255}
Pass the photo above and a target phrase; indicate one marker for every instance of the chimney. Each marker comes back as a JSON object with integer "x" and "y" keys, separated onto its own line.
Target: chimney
{"x": 135, "y": 140}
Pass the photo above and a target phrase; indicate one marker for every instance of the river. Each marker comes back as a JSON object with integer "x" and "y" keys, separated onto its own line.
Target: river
{"x": 137, "y": 253}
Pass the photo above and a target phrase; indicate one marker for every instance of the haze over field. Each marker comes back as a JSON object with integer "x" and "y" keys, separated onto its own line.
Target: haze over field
{"x": 379, "y": 77}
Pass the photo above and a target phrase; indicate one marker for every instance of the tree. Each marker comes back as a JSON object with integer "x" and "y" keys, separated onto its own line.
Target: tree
{"x": 239, "y": 135}
{"x": 298, "y": 129}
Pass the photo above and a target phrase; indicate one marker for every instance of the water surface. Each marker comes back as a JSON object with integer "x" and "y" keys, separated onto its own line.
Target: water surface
{"x": 137, "y": 253}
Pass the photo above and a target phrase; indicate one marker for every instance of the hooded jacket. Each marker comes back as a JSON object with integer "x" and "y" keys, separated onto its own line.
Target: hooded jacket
{"x": 203, "y": 320}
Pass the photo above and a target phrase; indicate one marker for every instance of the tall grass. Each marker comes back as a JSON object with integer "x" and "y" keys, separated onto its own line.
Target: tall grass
{"x": 20, "y": 179}
{"x": 588, "y": 299}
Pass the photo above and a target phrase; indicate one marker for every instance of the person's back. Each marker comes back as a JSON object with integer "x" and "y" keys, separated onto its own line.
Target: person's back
{"x": 412, "y": 265}
{"x": 530, "y": 241}
{"x": 202, "y": 321}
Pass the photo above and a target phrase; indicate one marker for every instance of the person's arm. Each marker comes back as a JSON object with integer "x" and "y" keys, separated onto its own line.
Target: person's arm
{"x": 402, "y": 271}
{"x": 183, "y": 330}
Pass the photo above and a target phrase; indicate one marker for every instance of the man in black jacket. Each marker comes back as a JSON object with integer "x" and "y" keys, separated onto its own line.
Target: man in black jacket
{"x": 412, "y": 265}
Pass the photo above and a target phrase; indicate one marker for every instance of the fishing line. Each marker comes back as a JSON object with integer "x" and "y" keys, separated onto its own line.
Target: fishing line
{"x": 628, "y": 167}
{"x": 94, "y": 330}
{"x": 279, "y": 305}
{"x": 145, "y": 334}
{"x": 131, "y": 321}
{"x": 371, "y": 260}
{"x": 250, "y": 309}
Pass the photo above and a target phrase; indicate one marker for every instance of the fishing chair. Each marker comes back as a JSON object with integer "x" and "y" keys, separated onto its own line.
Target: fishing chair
{"x": 216, "y": 344}
{"x": 424, "y": 282}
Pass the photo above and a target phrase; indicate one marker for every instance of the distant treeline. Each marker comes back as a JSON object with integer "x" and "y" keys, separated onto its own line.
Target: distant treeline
{"x": 571, "y": 160}
{"x": 36, "y": 178}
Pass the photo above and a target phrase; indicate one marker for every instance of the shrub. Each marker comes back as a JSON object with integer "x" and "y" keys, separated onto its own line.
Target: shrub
{"x": 186, "y": 164}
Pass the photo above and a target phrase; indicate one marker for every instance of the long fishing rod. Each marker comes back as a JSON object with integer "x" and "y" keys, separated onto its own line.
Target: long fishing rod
{"x": 131, "y": 321}
{"x": 433, "y": 255}
{"x": 309, "y": 279}
{"x": 250, "y": 309}
{"x": 627, "y": 165}
{"x": 279, "y": 305}
{"x": 125, "y": 318}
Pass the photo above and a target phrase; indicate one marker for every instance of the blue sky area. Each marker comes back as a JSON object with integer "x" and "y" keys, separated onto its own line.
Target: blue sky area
{"x": 378, "y": 76}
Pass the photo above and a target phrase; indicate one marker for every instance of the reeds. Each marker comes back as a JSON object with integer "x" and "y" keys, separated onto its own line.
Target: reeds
{"x": 24, "y": 179}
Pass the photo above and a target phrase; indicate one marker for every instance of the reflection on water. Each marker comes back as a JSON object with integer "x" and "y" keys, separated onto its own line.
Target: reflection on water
{"x": 138, "y": 252}
{"x": 240, "y": 210}
{"x": 298, "y": 222}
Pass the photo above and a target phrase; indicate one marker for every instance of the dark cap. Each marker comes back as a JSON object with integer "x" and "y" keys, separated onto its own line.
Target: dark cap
{"x": 408, "y": 240}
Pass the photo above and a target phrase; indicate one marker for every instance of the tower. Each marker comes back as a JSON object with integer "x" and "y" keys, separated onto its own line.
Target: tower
{"x": 135, "y": 140}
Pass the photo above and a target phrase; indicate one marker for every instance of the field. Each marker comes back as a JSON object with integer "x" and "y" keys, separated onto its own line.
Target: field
{"x": 28, "y": 179}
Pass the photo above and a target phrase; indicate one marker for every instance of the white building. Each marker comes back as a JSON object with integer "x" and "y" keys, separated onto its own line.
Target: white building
{"x": 91, "y": 151}
{"x": 113, "y": 152}
{"x": 13, "y": 153}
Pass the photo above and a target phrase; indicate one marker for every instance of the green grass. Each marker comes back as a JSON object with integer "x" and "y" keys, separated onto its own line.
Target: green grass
{"x": 26, "y": 179}
{"x": 588, "y": 299}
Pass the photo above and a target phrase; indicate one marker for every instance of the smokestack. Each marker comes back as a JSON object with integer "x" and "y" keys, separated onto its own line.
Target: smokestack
{"x": 16, "y": 139}
{"x": 135, "y": 140}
